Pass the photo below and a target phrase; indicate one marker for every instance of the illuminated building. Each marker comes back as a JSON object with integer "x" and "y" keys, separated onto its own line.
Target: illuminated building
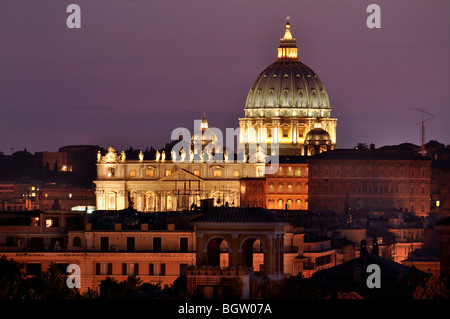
{"x": 373, "y": 180}
{"x": 286, "y": 189}
{"x": 162, "y": 184}
{"x": 288, "y": 104}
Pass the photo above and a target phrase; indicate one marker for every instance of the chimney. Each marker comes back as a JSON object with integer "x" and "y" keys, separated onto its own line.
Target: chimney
{"x": 375, "y": 247}
{"x": 363, "y": 251}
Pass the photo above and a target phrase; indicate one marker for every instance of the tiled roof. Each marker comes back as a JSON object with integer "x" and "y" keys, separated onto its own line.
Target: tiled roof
{"x": 397, "y": 280}
{"x": 239, "y": 215}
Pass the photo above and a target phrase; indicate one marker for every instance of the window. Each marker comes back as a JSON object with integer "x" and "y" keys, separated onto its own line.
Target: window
{"x": 280, "y": 188}
{"x": 298, "y": 203}
{"x": 111, "y": 201}
{"x": 157, "y": 269}
{"x": 111, "y": 172}
{"x": 197, "y": 173}
{"x": 132, "y": 173}
{"x": 217, "y": 173}
{"x": 168, "y": 172}
{"x": 183, "y": 244}
{"x": 236, "y": 173}
{"x": 183, "y": 268}
{"x": 298, "y": 172}
{"x": 157, "y": 244}
{"x": 131, "y": 244}
{"x": 290, "y": 189}
{"x": 130, "y": 269}
{"x": 259, "y": 171}
{"x": 104, "y": 243}
{"x": 280, "y": 204}
{"x": 169, "y": 202}
{"x": 148, "y": 201}
{"x": 62, "y": 267}
{"x": 289, "y": 204}
{"x": 33, "y": 269}
{"x": 149, "y": 173}
{"x": 9, "y": 241}
{"x": 290, "y": 171}
{"x": 323, "y": 260}
{"x": 103, "y": 268}
{"x": 51, "y": 222}
{"x": 76, "y": 242}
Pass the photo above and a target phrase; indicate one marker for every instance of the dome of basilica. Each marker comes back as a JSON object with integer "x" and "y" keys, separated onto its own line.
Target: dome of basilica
{"x": 287, "y": 106}
{"x": 287, "y": 87}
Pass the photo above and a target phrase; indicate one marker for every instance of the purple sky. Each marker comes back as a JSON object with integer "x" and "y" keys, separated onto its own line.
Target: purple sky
{"x": 138, "y": 69}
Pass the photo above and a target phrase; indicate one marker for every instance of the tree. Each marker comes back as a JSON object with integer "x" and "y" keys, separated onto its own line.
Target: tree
{"x": 433, "y": 288}
{"x": 11, "y": 277}
{"x": 50, "y": 284}
{"x": 110, "y": 288}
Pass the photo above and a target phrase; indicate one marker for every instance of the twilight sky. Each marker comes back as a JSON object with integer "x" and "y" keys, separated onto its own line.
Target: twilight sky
{"x": 138, "y": 69}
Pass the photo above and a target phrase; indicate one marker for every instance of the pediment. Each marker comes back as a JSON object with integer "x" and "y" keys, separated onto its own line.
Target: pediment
{"x": 181, "y": 175}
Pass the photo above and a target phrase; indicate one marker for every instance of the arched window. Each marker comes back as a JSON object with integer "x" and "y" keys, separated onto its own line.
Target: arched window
{"x": 280, "y": 188}
{"x": 111, "y": 201}
{"x": 76, "y": 242}
{"x": 298, "y": 204}
{"x": 149, "y": 201}
{"x": 289, "y": 204}
{"x": 280, "y": 204}
{"x": 290, "y": 189}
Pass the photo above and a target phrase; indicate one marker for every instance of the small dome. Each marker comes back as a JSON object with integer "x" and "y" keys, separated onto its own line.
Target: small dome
{"x": 317, "y": 136}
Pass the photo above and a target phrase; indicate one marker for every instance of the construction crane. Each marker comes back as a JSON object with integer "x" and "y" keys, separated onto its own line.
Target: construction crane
{"x": 422, "y": 132}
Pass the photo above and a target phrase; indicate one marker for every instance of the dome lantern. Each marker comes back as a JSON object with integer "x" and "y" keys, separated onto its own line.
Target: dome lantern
{"x": 288, "y": 51}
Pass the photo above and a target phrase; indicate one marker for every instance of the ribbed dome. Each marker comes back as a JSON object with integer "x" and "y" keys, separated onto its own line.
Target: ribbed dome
{"x": 287, "y": 87}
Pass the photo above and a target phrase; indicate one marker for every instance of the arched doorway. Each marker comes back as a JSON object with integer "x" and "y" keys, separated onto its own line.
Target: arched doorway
{"x": 252, "y": 251}
{"x": 262, "y": 238}
{"x": 217, "y": 252}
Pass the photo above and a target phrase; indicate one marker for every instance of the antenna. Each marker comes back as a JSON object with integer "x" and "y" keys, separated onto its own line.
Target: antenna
{"x": 422, "y": 135}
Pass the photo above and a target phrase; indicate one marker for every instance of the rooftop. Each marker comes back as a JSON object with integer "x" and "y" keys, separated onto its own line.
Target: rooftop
{"x": 239, "y": 215}
{"x": 371, "y": 154}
